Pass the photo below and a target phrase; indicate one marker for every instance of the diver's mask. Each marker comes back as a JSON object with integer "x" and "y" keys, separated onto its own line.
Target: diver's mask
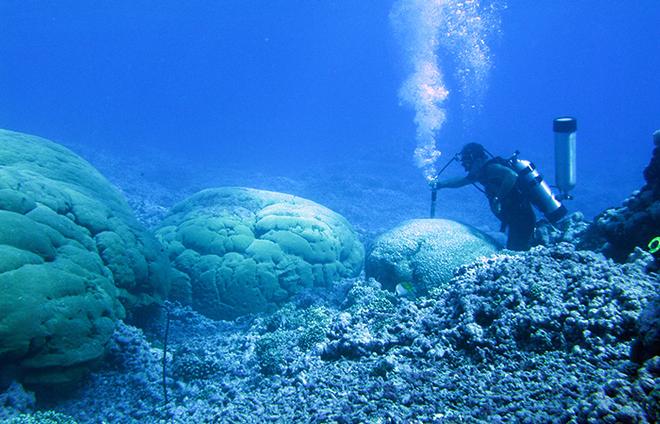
{"x": 467, "y": 160}
{"x": 471, "y": 155}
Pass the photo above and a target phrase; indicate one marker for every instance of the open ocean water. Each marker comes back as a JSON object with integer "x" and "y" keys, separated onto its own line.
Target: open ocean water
{"x": 286, "y": 87}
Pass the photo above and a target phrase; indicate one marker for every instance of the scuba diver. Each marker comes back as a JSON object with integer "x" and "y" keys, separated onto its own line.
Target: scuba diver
{"x": 511, "y": 186}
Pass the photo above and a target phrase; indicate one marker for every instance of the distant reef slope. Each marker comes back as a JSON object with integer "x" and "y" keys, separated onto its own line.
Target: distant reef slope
{"x": 73, "y": 260}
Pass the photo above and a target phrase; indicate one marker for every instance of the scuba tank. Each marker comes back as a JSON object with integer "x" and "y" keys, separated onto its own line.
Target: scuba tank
{"x": 538, "y": 191}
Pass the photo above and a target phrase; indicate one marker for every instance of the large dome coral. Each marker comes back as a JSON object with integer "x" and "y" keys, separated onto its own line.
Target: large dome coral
{"x": 71, "y": 253}
{"x": 241, "y": 250}
{"x": 424, "y": 253}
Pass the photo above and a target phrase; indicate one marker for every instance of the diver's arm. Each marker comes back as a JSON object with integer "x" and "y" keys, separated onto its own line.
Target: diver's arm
{"x": 451, "y": 183}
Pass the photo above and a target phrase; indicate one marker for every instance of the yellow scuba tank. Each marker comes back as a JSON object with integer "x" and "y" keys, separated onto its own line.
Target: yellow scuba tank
{"x": 531, "y": 183}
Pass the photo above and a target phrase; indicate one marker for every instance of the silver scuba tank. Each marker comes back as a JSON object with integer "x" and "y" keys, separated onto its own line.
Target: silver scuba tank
{"x": 532, "y": 184}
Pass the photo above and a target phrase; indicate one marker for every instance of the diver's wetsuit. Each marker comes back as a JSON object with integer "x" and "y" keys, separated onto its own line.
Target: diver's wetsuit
{"x": 516, "y": 210}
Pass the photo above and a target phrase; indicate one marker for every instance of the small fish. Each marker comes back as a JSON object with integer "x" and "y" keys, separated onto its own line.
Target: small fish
{"x": 405, "y": 289}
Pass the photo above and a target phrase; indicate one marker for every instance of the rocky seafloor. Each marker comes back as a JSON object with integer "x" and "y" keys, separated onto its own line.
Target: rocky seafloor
{"x": 544, "y": 336}
{"x": 556, "y": 334}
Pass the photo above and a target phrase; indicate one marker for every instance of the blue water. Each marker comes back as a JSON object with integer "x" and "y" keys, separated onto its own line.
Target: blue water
{"x": 285, "y": 85}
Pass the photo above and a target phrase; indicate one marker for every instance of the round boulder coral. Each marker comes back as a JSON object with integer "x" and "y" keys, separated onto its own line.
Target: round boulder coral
{"x": 422, "y": 254}
{"x": 241, "y": 250}
{"x": 70, "y": 254}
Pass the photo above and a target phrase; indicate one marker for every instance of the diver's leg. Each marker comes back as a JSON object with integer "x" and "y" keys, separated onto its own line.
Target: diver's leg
{"x": 521, "y": 228}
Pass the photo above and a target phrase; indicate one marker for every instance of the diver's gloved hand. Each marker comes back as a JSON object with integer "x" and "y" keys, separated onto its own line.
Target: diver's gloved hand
{"x": 434, "y": 184}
